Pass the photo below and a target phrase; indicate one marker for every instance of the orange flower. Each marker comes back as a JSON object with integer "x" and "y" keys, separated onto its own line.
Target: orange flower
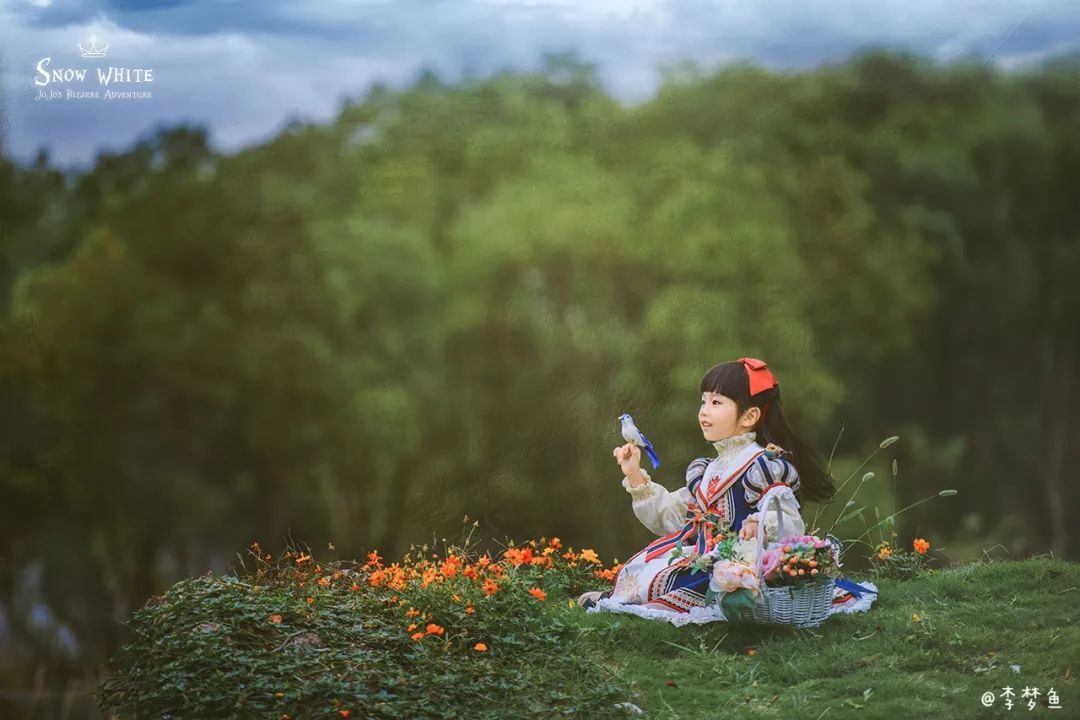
{"x": 555, "y": 543}
{"x": 412, "y": 626}
{"x": 275, "y": 618}
{"x": 309, "y": 600}
{"x": 325, "y": 580}
{"x": 569, "y": 555}
{"x": 449, "y": 568}
{"x": 413, "y": 612}
{"x": 480, "y": 647}
{"x": 354, "y": 587}
{"x": 484, "y": 561}
{"x": 374, "y": 559}
{"x": 490, "y": 586}
{"x": 434, "y": 629}
{"x": 497, "y": 570}
{"x": 302, "y": 559}
{"x": 751, "y": 652}
{"x": 417, "y": 636}
{"x": 517, "y": 556}
{"x": 537, "y": 593}
{"x": 590, "y": 556}
{"x": 470, "y": 572}
{"x": 921, "y": 546}
{"x": 344, "y": 713}
{"x": 470, "y": 610}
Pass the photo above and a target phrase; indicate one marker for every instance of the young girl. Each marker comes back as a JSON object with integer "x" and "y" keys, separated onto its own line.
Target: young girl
{"x": 741, "y": 415}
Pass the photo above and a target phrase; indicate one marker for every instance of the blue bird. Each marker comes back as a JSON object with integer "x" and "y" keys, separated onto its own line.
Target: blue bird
{"x": 631, "y": 434}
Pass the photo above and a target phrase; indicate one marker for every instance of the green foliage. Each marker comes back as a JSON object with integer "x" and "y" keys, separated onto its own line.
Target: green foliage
{"x": 301, "y": 638}
{"x": 209, "y": 647}
{"x": 897, "y": 563}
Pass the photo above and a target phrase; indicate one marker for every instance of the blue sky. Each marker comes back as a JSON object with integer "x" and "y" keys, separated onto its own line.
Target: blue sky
{"x": 246, "y": 68}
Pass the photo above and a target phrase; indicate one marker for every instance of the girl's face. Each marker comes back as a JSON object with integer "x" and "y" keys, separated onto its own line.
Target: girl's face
{"x": 717, "y": 417}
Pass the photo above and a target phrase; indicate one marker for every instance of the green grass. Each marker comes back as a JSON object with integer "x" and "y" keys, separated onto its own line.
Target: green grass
{"x": 975, "y": 621}
{"x": 206, "y": 649}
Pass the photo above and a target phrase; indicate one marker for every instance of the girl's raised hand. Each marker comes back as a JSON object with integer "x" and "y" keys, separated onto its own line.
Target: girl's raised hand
{"x": 629, "y": 458}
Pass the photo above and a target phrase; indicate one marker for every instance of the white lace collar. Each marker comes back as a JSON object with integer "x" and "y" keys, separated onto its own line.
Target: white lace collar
{"x": 729, "y": 447}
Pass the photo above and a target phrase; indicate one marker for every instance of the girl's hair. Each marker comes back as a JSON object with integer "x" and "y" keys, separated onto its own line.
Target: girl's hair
{"x": 730, "y": 379}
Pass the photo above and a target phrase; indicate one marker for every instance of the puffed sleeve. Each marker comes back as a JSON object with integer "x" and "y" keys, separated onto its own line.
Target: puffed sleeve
{"x": 768, "y": 471}
{"x": 658, "y": 509}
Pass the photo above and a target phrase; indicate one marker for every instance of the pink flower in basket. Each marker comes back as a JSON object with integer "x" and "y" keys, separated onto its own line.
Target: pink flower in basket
{"x": 805, "y": 540}
{"x": 770, "y": 562}
{"x": 729, "y": 576}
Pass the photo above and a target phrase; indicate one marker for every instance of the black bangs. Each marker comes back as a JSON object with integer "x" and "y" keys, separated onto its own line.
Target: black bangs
{"x": 728, "y": 379}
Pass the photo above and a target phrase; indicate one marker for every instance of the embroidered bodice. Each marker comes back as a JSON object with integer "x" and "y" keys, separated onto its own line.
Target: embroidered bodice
{"x": 729, "y": 485}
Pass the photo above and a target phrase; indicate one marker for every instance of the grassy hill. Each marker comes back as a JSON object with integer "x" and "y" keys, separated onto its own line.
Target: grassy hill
{"x": 928, "y": 648}
{"x": 444, "y": 639}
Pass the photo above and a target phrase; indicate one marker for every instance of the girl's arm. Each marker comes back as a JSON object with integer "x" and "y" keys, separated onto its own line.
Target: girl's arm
{"x": 761, "y": 475}
{"x": 657, "y": 508}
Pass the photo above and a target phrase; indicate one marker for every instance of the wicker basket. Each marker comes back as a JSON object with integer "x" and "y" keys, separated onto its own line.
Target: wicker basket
{"x": 803, "y": 607}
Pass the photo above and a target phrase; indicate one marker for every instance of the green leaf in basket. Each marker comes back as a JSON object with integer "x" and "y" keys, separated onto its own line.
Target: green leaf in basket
{"x": 734, "y": 602}
{"x": 701, "y": 563}
{"x": 710, "y": 596}
{"x": 675, "y": 554}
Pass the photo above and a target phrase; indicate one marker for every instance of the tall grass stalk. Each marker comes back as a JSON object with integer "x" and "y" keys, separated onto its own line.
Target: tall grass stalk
{"x": 892, "y": 517}
{"x": 881, "y": 446}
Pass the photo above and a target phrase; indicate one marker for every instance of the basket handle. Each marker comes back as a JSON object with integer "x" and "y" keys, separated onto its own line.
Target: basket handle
{"x": 775, "y": 507}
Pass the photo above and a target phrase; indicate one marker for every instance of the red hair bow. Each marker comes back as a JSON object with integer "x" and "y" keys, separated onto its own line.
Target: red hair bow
{"x": 758, "y": 373}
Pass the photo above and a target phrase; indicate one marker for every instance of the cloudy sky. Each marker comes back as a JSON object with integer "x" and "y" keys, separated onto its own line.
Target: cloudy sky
{"x": 245, "y": 68}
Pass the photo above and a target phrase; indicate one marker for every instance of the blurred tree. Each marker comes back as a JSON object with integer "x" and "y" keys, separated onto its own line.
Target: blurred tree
{"x": 438, "y": 304}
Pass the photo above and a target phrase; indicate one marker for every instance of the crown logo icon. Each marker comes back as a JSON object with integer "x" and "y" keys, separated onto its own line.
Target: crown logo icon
{"x": 94, "y": 51}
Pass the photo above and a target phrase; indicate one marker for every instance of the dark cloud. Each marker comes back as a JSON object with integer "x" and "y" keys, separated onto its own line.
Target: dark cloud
{"x": 245, "y": 67}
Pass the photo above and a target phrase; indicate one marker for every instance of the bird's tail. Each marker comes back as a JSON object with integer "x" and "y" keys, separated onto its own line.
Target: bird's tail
{"x": 652, "y": 457}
